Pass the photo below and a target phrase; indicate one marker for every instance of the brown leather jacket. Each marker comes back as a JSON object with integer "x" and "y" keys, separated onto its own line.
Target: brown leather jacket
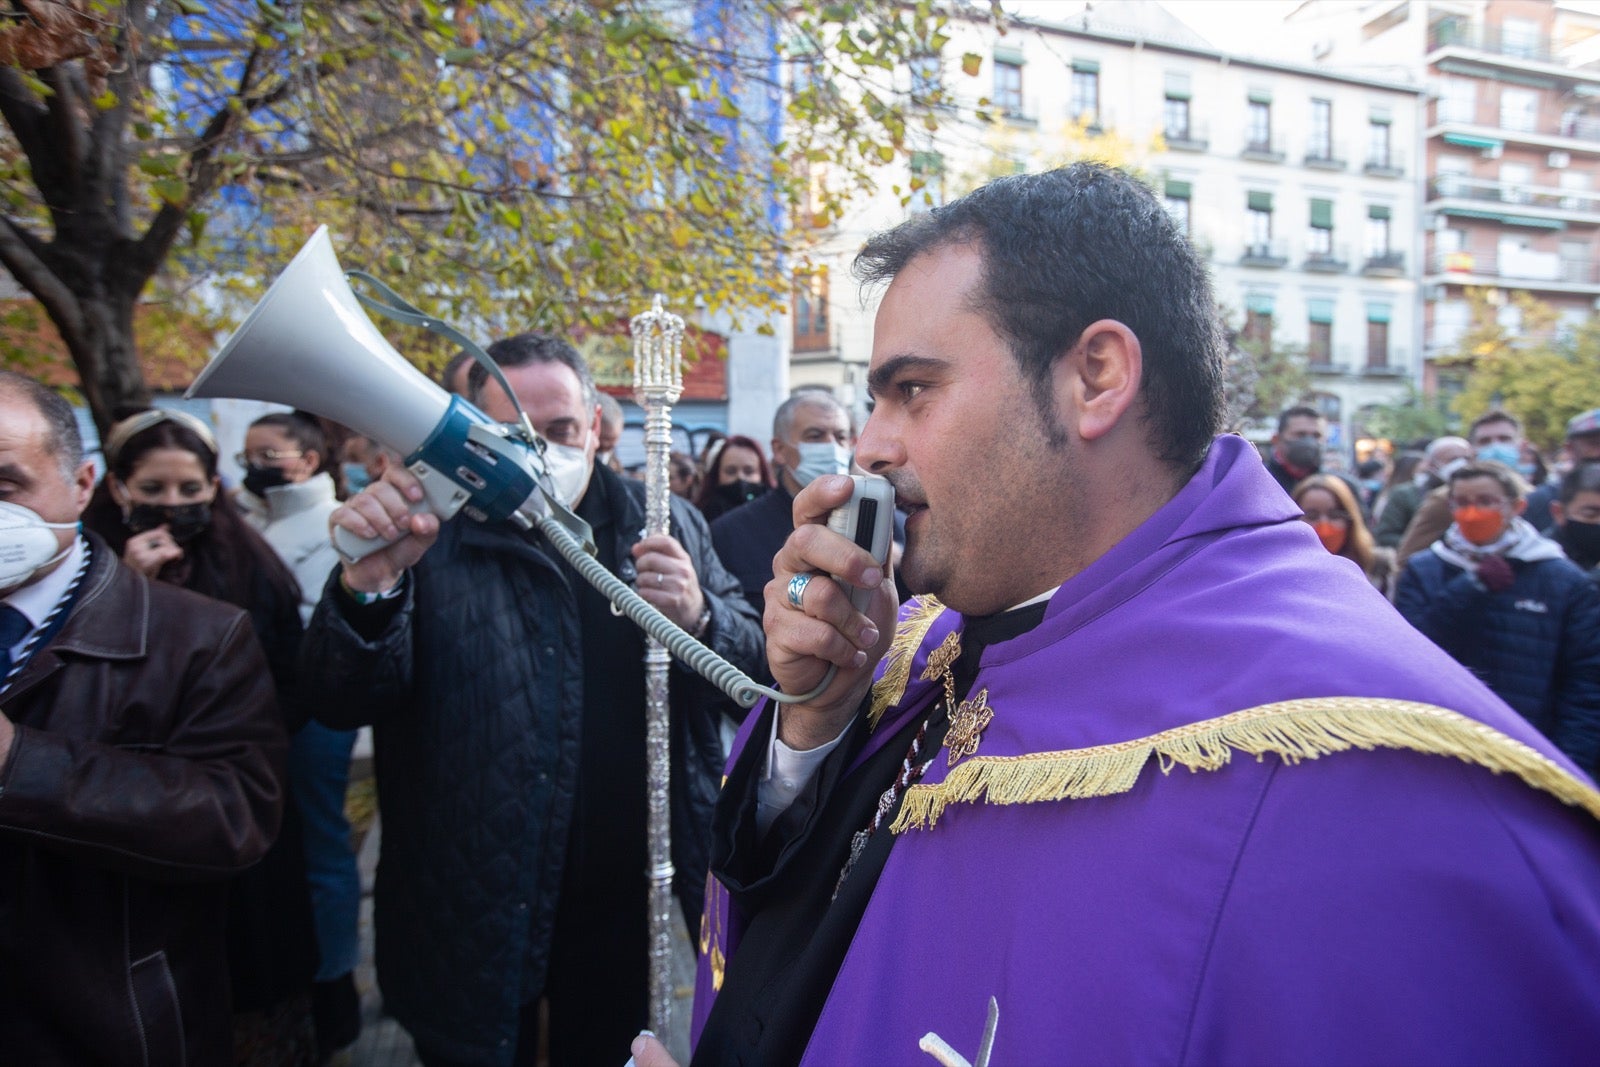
{"x": 147, "y": 767}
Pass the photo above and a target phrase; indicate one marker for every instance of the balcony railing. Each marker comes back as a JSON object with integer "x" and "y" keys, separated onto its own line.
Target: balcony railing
{"x": 1491, "y": 39}
{"x": 1334, "y": 261}
{"x": 1531, "y": 267}
{"x": 1390, "y": 164}
{"x": 1574, "y": 125}
{"x": 1265, "y": 254}
{"x": 1384, "y": 264}
{"x": 1195, "y": 137}
{"x": 1325, "y": 156}
{"x": 1487, "y": 190}
{"x": 1268, "y": 151}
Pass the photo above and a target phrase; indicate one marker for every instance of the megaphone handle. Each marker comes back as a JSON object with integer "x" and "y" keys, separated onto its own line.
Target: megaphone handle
{"x": 440, "y": 496}
{"x": 353, "y": 549}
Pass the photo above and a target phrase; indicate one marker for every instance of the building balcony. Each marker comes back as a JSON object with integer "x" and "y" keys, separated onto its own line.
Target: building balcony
{"x": 1334, "y": 261}
{"x": 1527, "y": 270}
{"x": 1384, "y": 265}
{"x": 1326, "y": 156}
{"x": 1462, "y": 35}
{"x": 1484, "y": 128}
{"x": 1514, "y": 204}
{"x": 1269, "y": 151}
{"x": 1195, "y": 137}
{"x": 1393, "y": 366}
{"x": 1390, "y": 164}
{"x": 1266, "y": 254}
{"x": 1321, "y": 365}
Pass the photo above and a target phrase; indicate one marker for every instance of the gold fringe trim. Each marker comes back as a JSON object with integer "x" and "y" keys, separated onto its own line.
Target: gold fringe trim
{"x": 887, "y": 691}
{"x": 1294, "y": 730}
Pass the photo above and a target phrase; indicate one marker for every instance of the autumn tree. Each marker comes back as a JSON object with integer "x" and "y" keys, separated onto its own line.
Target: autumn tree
{"x": 506, "y": 163}
{"x": 1541, "y": 374}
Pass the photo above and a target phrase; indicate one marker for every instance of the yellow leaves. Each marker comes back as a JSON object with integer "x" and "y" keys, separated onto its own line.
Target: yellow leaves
{"x": 397, "y": 168}
{"x": 680, "y": 234}
{"x": 971, "y": 64}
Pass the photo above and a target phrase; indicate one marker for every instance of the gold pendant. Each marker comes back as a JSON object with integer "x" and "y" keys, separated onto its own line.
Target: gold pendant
{"x": 967, "y": 726}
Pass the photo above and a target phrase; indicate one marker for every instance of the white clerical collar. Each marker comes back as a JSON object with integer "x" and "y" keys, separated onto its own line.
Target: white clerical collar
{"x": 1040, "y": 599}
{"x": 38, "y": 599}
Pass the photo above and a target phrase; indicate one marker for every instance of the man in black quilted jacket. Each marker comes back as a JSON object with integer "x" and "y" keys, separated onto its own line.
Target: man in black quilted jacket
{"x": 508, "y": 705}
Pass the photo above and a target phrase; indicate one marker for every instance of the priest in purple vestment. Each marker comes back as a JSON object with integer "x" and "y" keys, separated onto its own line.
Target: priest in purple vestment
{"x": 1143, "y": 775}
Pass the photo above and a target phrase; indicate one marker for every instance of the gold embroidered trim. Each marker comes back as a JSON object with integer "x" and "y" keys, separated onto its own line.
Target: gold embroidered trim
{"x": 1293, "y": 730}
{"x": 887, "y": 691}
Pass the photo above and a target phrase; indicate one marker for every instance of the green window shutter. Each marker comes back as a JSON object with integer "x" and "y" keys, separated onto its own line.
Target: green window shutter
{"x": 927, "y": 163}
{"x": 1177, "y": 86}
{"x": 1377, "y": 211}
{"x": 1259, "y": 201}
{"x": 1380, "y": 118}
{"x": 1322, "y": 214}
{"x": 1086, "y": 66}
{"x": 1178, "y": 190}
{"x": 1260, "y": 96}
{"x": 1319, "y": 310}
{"x": 1008, "y": 54}
{"x": 1258, "y": 304}
{"x": 1378, "y": 313}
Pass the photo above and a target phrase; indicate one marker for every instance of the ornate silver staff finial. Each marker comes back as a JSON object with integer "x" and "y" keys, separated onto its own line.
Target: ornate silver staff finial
{"x": 657, "y": 353}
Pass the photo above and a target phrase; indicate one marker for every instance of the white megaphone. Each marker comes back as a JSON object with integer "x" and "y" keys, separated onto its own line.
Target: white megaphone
{"x": 310, "y": 345}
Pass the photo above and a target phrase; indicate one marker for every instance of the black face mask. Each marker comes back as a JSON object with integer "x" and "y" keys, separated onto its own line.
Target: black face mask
{"x": 1303, "y": 453}
{"x": 1581, "y": 541}
{"x": 739, "y": 492}
{"x": 184, "y": 522}
{"x": 259, "y": 479}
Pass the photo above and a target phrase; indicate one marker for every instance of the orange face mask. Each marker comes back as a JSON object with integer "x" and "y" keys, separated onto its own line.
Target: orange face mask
{"x": 1480, "y": 525}
{"x": 1333, "y": 535}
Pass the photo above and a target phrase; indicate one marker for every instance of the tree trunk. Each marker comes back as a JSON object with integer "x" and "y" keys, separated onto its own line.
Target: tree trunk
{"x": 107, "y": 359}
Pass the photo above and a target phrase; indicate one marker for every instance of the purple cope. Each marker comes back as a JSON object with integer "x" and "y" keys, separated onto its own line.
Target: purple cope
{"x": 1377, "y": 904}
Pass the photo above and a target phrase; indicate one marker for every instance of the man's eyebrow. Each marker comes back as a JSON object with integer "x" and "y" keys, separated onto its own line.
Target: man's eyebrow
{"x": 880, "y": 377}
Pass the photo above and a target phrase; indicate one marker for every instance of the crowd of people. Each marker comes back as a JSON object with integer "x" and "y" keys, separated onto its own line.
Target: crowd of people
{"x": 1094, "y": 587}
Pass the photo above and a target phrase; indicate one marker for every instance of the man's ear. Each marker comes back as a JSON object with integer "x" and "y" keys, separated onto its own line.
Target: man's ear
{"x": 1098, "y": 379}
{"x": 83, "y": 484}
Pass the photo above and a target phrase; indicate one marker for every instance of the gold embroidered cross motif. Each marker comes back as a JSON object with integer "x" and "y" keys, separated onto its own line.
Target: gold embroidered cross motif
{"x": 967, "y": 726}
{"x": 939, "y": 662}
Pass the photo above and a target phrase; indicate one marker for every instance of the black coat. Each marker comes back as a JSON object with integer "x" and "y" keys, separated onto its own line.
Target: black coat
{"x": 474, "y": 686}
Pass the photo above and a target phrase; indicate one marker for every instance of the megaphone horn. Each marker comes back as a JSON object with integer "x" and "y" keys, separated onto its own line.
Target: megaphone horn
{"x": 309, "y": 344}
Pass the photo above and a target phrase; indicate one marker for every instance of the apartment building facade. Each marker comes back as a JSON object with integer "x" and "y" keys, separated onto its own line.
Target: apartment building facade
{"x": 1296, "y": 183}
{"x": 1511, "y": 128}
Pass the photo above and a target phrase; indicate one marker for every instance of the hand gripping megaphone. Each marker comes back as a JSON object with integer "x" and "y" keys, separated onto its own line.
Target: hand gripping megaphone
{"x": 310, "y": 345}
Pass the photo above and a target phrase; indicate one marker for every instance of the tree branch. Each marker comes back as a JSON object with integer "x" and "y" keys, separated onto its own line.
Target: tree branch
{"x": 21, "y": 254}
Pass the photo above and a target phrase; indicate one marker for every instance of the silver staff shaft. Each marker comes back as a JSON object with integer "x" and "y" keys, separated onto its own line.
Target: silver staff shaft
{"x": 658, "y": 382}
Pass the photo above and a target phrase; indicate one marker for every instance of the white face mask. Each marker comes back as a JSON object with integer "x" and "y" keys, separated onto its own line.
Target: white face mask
{"x": 818, "y": 458}
{"x": 569, "y": 470}
{"x": 27, "y": 545}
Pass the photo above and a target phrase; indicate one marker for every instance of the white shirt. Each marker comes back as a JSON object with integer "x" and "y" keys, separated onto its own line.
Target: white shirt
{"x": 38, "y": 599}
